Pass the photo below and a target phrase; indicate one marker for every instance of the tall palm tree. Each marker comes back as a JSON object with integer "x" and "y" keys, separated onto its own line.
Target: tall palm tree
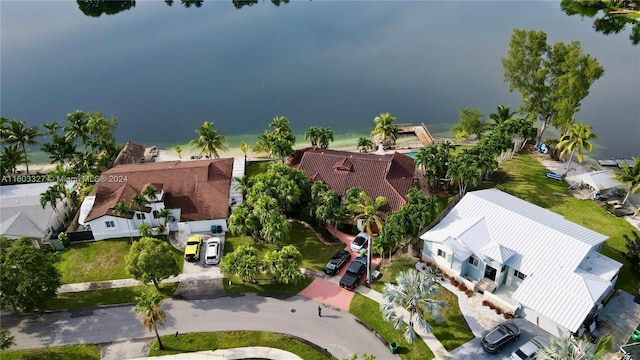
{"x": 150, "y": 192}
{"x": 368, "y": 211}
{"x": 19, "y": 134}
{"x": 325, "y": 137}
{"x": 150, "y": 313}
{"x": 364, "y": 143}
{"x": 312, "y": 135}
{"x": 417, "y": 292}
{"x": 122, "y": 209}
{"x": 209, "y": 140}
{"x": 575, "y": 141}
{"x": 77, "y": 127}
{"x": 244, "y": 147}
{"x": 387, "y": 132}
{"x": 503, "y": 114}
{"x": 52, "y": 128}
{"x": 178, "y": 150}
{"x": 51, "y": 196}
{"x": 10, "y": 158}
{"x": 139, "y": 201}
{"x": 629, "y": 175}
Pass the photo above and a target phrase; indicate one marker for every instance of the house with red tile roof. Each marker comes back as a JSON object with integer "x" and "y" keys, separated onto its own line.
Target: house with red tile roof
{"x": 389, "y": 175}
{"x": 197, "y": 194}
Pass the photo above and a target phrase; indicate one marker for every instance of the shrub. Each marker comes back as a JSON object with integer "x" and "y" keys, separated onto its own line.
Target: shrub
{"x": 469, "y": 292}
{"x": 498, "y": 310}
{"x": 462, "y": 286}
{"x": 492, "y": 306}
{"x": 454, "y": 282}
{"x": 485, "y": 302}
{"x": 507, "y": 315}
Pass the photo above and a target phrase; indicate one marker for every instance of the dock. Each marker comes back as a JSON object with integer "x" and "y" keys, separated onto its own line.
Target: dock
{"x": 616, "y": 162}
{"x": 420, "y": 131}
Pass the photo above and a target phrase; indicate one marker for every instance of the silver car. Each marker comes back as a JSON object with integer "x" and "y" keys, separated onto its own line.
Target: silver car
{"x": 529, "y": 349}
{"x": 212, "y": 253}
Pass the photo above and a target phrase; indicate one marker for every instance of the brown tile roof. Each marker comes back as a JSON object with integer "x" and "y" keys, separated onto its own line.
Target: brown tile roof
{"x": 390, "y": 175}
{"x": 199, "y": 188}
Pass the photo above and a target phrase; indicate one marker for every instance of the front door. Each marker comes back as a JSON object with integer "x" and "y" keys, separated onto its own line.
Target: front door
{"x": 490, "y": 273}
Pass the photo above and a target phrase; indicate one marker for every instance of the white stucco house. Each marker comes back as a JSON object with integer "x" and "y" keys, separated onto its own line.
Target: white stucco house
{"x": 22, "y": 215}
{"x": 549, "y": 267}
{"x": 197, "y": 194}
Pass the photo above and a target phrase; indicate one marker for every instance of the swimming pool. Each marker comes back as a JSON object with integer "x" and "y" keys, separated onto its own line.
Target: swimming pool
{"x": 412, "y": 154}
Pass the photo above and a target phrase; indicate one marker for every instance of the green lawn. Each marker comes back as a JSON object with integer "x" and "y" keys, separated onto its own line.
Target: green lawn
{"x": 314, "y": 253}
{"x": 454, "y": 332}
{"x": 525, "y": 177}
{"x": 84, "y": 352}
{"x": 98, "y": 261}
{"x": 106, "y": 296}
{"x": 233, "y": 339}
{"x": 264, "y": 285}
{"x": 369, "y": 312}
{"x": 256, "y": 167}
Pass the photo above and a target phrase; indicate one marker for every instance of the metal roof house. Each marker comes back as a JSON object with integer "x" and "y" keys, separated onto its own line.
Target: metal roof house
{"x": 21, "y": 214}
{"x": 550, "y": 266}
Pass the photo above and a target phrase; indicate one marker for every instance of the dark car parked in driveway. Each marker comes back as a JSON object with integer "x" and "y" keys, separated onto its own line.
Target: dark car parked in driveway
{"x": 337, "y": 262}
{"x": 354, "y": 272}
{"x": 500, "y": 336}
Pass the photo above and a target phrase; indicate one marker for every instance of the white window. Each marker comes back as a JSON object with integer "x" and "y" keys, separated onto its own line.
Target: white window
{"x": 519, "y": 275}
{"x": 110, "y": 224}
{"x": 442, "y": 254}
{"x": 140, "y": 216}
{"x": 473, "y": 261}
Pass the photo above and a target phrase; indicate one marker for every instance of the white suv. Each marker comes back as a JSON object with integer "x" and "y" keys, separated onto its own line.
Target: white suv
{"x": 212, "y": 254}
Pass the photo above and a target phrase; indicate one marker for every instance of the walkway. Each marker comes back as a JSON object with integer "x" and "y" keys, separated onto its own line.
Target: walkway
{"x": 257, "y": 352}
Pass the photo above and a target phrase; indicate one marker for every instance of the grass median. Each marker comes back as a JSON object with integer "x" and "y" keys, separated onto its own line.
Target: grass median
{"x": 84, "y": 352}
{"x": 92, "y": 298}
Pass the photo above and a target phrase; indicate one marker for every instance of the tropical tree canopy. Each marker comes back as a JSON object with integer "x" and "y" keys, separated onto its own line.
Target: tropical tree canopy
{"x": 575, "y": 141}
{"x": 417, "y": 292}
{"x": 571, "y": 348}
{"x": 630, "y": 175}
{"x": 151, "y": 260}
{"x": 150, "y": 313}
{"x": 364, "y": 144}
{"x": 386, "y": 131}
{"x": 277, "y": 142}
{"x": 209, "y": 140}
{"x": 18, "y": 134}
{"x": 470, "y": 122}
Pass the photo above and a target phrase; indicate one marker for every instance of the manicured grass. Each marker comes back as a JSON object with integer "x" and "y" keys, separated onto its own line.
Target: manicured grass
{"x": 314, "y": 253}
{"x": 85, "y": 352}
{"x": 257, "y": 167}
{"x": 234, "y": 339}
{"x": 454, "y": 331}
{"x": 368, "y": 311}
{"x": 264, "y": 285}
{"x": 524, "y": 177}
{"x": 106, "y": 296}
{"x": 99, "y": 261}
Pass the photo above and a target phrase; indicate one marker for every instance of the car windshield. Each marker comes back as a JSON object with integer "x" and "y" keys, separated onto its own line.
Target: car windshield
{"x": 359, "y": 240}
{"x": 192, "y": 242}
{"x": 331, "y": 266}
{"x": 520, "y": 354}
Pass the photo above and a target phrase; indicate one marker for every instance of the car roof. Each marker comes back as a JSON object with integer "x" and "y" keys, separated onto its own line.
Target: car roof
{"x": 213, "y": 240}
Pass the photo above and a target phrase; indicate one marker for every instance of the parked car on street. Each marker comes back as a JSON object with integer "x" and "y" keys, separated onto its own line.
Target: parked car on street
{"x": 354, "y": 272}
{"x": 337, "y": 262}
{"x": 360, "y": 241}
{"x": 192, "y": 250}
{"x": 499, "y": 337}
{"x": 529, "y": 349}
{"x": 212, "y": 254}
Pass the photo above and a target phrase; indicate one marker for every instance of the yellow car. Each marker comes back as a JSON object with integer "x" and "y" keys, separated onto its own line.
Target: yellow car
{"x": 192, "y": 251}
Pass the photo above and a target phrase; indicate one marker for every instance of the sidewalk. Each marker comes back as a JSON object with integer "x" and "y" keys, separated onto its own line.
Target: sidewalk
{"x": 254, "y": 352}
{"x": 120, "y": 283}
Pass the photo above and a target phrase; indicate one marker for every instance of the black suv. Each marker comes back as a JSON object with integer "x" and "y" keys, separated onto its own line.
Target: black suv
{"x": 499, "y": 337}
{"x": 354, "y": 272}
{"x": 337, "y": 262}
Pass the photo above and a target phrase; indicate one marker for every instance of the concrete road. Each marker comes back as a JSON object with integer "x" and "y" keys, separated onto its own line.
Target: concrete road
{"x": 336, "y": 330}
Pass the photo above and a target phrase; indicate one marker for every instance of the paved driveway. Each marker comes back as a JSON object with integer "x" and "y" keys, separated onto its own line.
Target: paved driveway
{"x": 473, "y": 349}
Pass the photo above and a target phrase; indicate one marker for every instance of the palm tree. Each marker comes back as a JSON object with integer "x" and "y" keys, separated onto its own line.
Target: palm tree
{"x": 364, "y": 143}
{"x": 503, "y": 114}
{"x": 571, "y": 348}
{"x": 209, "y": 140}
{"x": 10, "y": 158}
{"x": 150, "y": 313}
{"x": 164, "y": 215}
{"x": 312, "y": 135}
{"x": 417, "y": 292}
{"x": 366, "y": 210}
{"x": 146, "y": 230}
{"x": 178, "y": 150}
{"x": 244, "y": 147}
{"x": 325, "y": 137}
{"x": 52, "y": 128}
{"x": 51, "y": 196}
{"x": 19, "y": 134}
{"x": 387, "y": 132}
{"x": 122, "y": 209}
{"x": 629, "y": 175}
{"x": 575, "y": 141}
{"x": 150, "y": 193}
{"x": 243, "y": 185}
{"x": 139, "y": 201}
{"x": 77, "y": 127}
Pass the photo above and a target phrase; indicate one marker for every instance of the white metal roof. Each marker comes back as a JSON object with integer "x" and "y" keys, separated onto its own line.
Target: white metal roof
{"x": 535, "y": 241}
{"x": 600, "y": 180}
{"x": 21, "y": 213}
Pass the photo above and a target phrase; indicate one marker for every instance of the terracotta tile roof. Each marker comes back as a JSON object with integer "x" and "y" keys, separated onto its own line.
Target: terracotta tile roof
{"x": 390, "y": 176}
{"x": 199, "y": 188}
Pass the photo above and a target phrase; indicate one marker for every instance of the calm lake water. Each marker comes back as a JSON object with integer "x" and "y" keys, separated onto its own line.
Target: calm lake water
{"x": 164, "y": 70}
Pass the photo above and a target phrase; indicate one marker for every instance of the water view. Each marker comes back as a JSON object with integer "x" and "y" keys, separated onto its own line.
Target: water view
{"x": 163, "y": 70}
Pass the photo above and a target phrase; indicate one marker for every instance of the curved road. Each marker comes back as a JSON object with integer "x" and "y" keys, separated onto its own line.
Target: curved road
{"x": 336, "y": 330}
